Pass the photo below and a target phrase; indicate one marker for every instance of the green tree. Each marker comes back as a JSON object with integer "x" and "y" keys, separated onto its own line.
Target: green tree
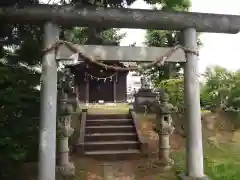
{"x": 233, "y": 100}
{"x": 175, "y": 90}
{"x": 221, "y": 89}
{"x": 219, "y": 83}
{"x": 162, "y": 38}
{"x": 19, "y": 52}
{"x": 79, "y": 35}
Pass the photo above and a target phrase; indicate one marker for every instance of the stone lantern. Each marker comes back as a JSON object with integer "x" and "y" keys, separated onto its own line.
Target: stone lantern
{"x": 164, "y": 128}
{"x": 65, "y": 130}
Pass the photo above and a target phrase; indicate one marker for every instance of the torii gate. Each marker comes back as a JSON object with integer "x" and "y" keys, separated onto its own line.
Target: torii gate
{"x": 189, "y": 23}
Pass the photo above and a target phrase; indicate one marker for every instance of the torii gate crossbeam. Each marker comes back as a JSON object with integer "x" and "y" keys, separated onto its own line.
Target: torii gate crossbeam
{"x": 121, "y": 18}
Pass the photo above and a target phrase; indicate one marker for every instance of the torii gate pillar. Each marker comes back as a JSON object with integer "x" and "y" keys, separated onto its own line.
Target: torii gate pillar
{"x": 47, "y": 146}
{"x": 194, "y": 149}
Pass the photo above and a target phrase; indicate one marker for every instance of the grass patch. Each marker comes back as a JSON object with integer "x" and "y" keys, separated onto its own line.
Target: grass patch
{"x": 223, "y": 162}
{"x": 119, "y": 108}
{"x": 220, "y": 163}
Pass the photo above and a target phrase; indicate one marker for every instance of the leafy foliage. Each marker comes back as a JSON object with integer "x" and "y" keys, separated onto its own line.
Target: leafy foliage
{"x": 221, "y": 90}
{"x": 162, "y": 38}
{"x": 20, "y": 51}
{"x": 19, "y": 117}
{"x": 175, "y": 89}
{"x": 79, "y": 35}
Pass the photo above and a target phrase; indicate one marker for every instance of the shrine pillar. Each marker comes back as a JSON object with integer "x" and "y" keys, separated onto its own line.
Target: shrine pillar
{"x": 48, "y": 101}
{"x": 194, "y": 148}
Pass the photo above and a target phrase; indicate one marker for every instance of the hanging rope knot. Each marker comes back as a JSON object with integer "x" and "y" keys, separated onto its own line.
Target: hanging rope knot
{"x": 54, "y": 46}
{"x": 186, "y": 50}
{"x": 162, "y": 61}
{"x": 58, "y": 43}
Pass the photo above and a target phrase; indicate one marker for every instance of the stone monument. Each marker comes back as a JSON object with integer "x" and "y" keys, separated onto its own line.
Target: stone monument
{"x": 145, "y": 99}
{"x": 164, "y": 128}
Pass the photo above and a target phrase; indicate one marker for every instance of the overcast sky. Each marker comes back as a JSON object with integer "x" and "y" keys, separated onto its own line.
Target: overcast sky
{"x": 218, "y": 49}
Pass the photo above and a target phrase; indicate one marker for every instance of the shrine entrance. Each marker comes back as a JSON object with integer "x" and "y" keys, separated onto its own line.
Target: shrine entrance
{"x": 101, "y": 90}
{"x": 188, "y": 23}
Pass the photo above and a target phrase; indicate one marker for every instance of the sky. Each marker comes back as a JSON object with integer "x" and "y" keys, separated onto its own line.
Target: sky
{"x": 218, "y": 49}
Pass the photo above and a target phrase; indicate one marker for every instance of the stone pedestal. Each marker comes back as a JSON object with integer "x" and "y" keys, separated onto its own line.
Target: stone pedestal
{"x": 145, "y": 100}
{"x": 66, "y": 167}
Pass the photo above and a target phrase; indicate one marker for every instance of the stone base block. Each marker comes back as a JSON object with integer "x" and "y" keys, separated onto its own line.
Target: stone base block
{"x": 166, "y": 164}
{"x": 67, "y": 169}
{"x": 184, "y": 177}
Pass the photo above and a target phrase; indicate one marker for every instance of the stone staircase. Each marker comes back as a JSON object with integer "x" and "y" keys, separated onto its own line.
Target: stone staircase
{"x": 109, "y": 136}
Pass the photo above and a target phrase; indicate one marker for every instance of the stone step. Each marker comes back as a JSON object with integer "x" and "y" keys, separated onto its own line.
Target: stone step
{"x": 110, "y": 129}
{"x": 108, "y": 116}
{"x": 113, "y": 122}
{"x": 114, "y": 155}
{"x": 130, "y": 151}
{"x": 111, "y": 145}
{"x": 111, "y": 137}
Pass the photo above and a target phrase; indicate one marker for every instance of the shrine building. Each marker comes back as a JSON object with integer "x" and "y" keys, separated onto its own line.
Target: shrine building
{"x": 94, "y": 83}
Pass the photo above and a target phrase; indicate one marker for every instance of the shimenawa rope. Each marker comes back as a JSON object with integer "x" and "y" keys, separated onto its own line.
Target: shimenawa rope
{"x": 159, "y": 61}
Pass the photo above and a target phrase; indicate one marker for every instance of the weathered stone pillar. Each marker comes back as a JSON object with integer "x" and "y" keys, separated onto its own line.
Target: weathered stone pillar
{"x": 164, "y": 129}
{"x": 47, "y": 144}
{"x": 194, "y": 149}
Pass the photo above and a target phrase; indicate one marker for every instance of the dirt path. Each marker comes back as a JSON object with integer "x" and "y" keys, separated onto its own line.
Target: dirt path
{"x": 118, "y": 171}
